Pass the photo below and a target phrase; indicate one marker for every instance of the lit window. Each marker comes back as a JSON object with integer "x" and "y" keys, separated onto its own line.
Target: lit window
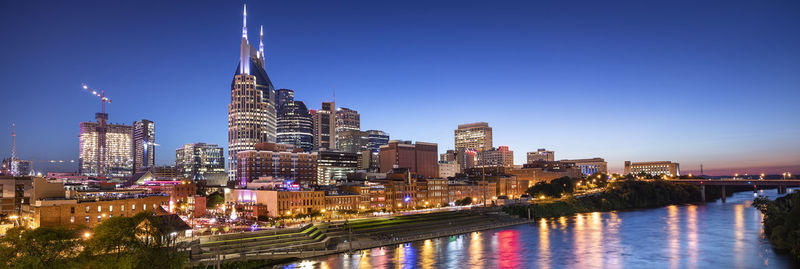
{"x": 72, "y": 219}
{"x": 111, "y": 208}
{"x": 99, "y": 208}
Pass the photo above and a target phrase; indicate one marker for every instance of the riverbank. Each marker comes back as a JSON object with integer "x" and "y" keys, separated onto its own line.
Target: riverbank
{"x": 782, "y": 222}
{"x": 250, "y": 250}
{"x": 622, "y": 195}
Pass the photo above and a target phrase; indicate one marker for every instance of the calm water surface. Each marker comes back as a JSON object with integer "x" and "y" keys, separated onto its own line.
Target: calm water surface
{"x": 714, "y": 235}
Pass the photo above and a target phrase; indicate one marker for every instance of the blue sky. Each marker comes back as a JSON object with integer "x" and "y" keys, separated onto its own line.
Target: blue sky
{"x": 712, "y": 82}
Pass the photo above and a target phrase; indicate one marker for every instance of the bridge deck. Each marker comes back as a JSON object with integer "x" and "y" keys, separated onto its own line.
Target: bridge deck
{"x": 740, "y": 182}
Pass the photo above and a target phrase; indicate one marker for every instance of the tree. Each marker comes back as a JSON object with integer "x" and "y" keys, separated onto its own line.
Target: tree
{"x": 214, "y": 200}
{"x": 39, "y": 248}
{"x": 555, "y": 188}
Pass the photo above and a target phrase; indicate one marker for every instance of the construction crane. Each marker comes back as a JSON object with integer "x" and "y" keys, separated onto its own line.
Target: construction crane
{"x": 101, "y": 117}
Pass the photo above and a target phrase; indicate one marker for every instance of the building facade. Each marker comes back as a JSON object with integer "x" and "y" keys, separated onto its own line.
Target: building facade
{"x": 590, "y": 166}
{"x": 14, "y": 193}
{"x": 283, "y": 97}
{"x": 144, "y": 145}
{"x": 325, "y": 126}
{"x": 333, "y": 166}
{"x": 420, "y": 158}
{"x": 295, "y": 125}
{"x": 347, "y": 120}
{"x": 656, "y": 168}
{"x": 448, "y": 169}
{"x": 194, "y": 161}
{"x": 541, "y": 155}
{"x": 118, "y": 161}
{"x": 252, "y": 115}
{"x": 500, "y": 156}
{"x": 88, "y": 213}
{"x": 475, "y": 136}
{"x": 281, "y": 161}
{"x": 352, "y": 140}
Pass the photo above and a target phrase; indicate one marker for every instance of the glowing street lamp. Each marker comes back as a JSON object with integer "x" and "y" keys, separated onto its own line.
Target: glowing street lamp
{"x": 86, "y": 235}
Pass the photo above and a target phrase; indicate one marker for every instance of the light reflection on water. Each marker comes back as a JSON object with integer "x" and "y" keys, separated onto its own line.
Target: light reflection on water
{"x": 714, "y": 235}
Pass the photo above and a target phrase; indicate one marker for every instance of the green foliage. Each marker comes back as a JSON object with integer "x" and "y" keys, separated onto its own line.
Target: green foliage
{"x": 39, "y": 248}
{"x": 782, "y": 222}
{"x": 465, "y": 201}
{"x": 215, "y": 199}
{"x": 555, "y": 188}
{"x": 626, "y": 194}
{"x": 118, "y": 242}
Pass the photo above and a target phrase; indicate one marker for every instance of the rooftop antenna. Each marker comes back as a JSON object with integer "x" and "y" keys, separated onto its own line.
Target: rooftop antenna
{"x": 14, "y": 167}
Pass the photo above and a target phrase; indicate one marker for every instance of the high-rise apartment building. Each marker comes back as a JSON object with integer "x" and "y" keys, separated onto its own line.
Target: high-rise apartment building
{"x": 144, "y": 143}
{"x": 420, "y": 158}
{"x": 252, "y": 116}
{"x": 296, "y": 126}
{"x": 541, "y": 155}
{"x": 475, "y": 136}
{"x": 118, "y": 152}
{"x": 325, "y": 126}
{"x": 196, "y": 160}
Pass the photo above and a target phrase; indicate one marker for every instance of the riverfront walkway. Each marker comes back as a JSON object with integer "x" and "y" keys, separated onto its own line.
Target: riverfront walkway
{"x": 344, "y": 236}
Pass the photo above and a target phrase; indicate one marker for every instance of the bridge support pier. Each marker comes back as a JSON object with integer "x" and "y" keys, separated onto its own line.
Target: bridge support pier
{"x": 723, "y": 193}
{"x": 703, "y": 193}
{"x": 781, "y": 189}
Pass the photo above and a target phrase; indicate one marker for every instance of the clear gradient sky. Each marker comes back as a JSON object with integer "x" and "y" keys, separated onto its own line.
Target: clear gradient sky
{"x": 712, "y": 82}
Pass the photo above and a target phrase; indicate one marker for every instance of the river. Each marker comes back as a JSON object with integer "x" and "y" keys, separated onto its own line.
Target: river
{"x": 714, "y": 235}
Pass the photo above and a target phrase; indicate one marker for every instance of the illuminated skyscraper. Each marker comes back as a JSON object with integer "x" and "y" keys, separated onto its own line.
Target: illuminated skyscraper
{"x": 295, "y": 126}
{"x": 194, "y": 161}
{"x": 144, "y": 143}
{"x": 252, "y": 116}
{"x": 347, "y": 119}
{"x": 475, "y": 136}
{"x": 282, "y": 97}
{"x": 118, "y": 156}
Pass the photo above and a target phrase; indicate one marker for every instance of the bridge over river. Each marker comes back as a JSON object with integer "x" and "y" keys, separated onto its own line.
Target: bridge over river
{"x": 781, "y": 184}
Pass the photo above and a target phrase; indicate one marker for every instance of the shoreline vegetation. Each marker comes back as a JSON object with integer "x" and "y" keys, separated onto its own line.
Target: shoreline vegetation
{"x": 782, "y": 222}
{"x": 620, "y": 195}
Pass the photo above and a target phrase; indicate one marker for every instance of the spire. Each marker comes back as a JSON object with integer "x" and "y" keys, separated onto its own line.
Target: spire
{"x": 261, "y": 43}
{"x": 244, "y": 23}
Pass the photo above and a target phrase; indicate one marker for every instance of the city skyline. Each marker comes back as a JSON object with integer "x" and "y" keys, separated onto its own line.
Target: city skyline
{"x": 740, "y": 124}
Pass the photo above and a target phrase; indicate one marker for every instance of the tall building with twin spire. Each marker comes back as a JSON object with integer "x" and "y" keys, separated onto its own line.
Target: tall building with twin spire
{"x": 252, "y": 116}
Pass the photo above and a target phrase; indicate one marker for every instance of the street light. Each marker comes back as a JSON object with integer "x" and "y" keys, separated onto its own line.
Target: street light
{"x": 86, "y": 235}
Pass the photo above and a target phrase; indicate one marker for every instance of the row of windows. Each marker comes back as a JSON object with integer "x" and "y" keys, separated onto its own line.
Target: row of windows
{"x": 110, "y": 208}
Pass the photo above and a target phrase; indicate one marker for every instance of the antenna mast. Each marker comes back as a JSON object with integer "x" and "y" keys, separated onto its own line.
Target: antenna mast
{"x": 14, "y": 165}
